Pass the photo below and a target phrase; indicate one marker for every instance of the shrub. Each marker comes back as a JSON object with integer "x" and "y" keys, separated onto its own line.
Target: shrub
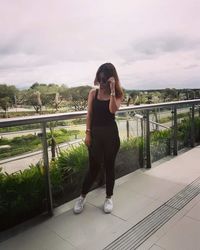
{"x": 132, "y": 143}
{"x": 22, "y": 196}
{"x": 160, "y": 135}
{"x": 73, "y": 160}
{"x": 56, "y": 179}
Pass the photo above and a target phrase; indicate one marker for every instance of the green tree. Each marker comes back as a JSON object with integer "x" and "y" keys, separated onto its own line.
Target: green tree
{"x": 64, "y": 92}
{"x": 5, "y": 103}
{"x": 52, "y": 100}
{"x": 78, "y": 97}
{"x": 33, "y": 98}
{"x": 8, "y": 91}
{"x": 149, "y": 99}
{"x": 169, "y": 94}
{"x": 50, "y": 94}
{"x": 7, "y": 96}
{"x": 132, "y": 95}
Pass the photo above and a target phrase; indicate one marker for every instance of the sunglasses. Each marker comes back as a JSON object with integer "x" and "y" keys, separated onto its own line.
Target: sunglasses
{"x": 103, "y": 81}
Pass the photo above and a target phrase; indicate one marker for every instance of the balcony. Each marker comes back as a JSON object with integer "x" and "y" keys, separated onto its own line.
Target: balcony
{"x": 155, "y": 207}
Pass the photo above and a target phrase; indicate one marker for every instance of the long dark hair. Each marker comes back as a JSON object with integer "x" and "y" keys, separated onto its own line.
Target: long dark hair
{"x": 108, "y": 69}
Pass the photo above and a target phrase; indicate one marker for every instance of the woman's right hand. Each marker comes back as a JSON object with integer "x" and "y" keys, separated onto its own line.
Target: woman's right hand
{"x": 88, "y": 140}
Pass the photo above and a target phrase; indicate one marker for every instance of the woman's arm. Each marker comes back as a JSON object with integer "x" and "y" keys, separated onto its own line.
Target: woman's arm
{"x": 114, "y": 102}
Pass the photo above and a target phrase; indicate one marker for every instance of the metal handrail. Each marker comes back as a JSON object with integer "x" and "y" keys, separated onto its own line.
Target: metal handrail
{"x": 70, "y": 115}
{"x": 138, "y": 116}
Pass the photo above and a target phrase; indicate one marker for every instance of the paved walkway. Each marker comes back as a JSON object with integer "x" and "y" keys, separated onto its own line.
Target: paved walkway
{"x": 136, "y": 196}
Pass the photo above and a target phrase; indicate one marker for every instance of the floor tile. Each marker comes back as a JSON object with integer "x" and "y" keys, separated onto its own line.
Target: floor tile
{"x": 128, "y": 203}
{"x": 168, "y": 193}
{"x": 89, "y": 225}
{"x": 169, "y": 225}
{"x": 36, "y": 238}
{"x": 156, "y": 247}
{"x": 162, "y": 231}
{"x": 150, "y": 186}
{"x": 184, "y": 236}
{"x": 194, "y": 213}
{"x": 145, "y": 211}
{"x": 106, "y": 238}
{"x": 177, "y": 170}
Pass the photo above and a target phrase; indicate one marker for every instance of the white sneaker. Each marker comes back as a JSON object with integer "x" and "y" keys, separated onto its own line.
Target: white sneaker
{"x": 79, "y": 205}
{"x": 108, "y": 205}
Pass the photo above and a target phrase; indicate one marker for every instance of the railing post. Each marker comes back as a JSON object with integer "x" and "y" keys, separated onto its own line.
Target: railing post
{"x": 127, "y": 126}
{"x": 175, "y": 132}
{"x": 199, "y": 110}
{"x": 148, "y": 150}
{"x": 46, "y": 169}
{"x": 142, "y": 154}
{"x": 192, "y": 136}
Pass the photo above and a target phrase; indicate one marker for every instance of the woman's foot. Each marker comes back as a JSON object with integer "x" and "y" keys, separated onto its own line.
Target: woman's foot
{"x": 108, "y": 205}
{"x": 79, "y": 205}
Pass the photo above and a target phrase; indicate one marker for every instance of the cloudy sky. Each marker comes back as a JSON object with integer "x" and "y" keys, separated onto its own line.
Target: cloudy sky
{"x": 152, "y": 43}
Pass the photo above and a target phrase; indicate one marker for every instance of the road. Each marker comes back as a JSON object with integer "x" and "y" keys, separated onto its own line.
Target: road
{"x": 10, "y": 135}
{"x": 22, "y": 162}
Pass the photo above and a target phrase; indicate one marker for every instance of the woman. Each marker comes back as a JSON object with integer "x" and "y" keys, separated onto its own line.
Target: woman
{"x": 102, "y": 138}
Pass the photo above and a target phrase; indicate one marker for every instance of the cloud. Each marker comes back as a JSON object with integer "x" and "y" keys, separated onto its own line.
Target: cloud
{"x": 191, "y": 66}
{"x": 167, "y": 43}
{"x": 154, "y": 47}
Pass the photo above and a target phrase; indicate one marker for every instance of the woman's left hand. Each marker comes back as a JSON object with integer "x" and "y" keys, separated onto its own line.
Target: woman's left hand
{"x": 111, "y": 81}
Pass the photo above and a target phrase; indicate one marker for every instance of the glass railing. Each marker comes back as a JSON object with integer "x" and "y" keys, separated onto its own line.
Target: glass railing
{"x": 43, "y": 158}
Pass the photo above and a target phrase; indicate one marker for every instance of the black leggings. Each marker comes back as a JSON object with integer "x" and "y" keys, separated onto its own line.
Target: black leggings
{"x": 103, "y": 149}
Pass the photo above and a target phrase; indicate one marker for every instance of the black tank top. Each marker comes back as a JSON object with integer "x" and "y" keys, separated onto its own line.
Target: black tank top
{"x": 101, "y": 115}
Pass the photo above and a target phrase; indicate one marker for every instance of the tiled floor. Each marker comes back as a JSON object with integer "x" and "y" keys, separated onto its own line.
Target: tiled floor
{"x": 136, "y": 195}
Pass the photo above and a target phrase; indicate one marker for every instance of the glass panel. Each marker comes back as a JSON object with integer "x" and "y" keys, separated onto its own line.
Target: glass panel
{"x": 62, "y": 134}
{"x": 20, "y": 147}
{"x": 68, "y": 158}
{"x": 197, "y": 123}
{"x": 130, "y": 155}
{"x": 22, "y": 188}
{"x": 184, "y": 126}
{"x": 160, "y": 127}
